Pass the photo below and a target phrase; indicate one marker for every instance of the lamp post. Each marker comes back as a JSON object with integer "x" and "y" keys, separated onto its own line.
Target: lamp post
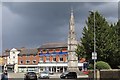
{"x": 94, "y": 54}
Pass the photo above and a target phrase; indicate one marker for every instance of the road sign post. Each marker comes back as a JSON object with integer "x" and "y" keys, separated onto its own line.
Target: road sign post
{"x": 94, "y": 57}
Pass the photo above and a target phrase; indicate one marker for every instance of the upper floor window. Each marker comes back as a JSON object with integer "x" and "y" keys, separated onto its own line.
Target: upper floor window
{"x": 27, "y": 61}
{"x": 34, "y": 61}
{"x": 41, "y": 58}
{"x": 61, "y": 58}
{"x": 54, "y": 58}
{"x": 21, "y": 62}
{"x": 47, "y": 58}
{"x": 41, "y": 51}
{"x": 13, "y": 62}
{"x": 13, "y": 56}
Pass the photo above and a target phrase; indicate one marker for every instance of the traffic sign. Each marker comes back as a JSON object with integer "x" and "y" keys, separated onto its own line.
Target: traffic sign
{"x": 94, "y": 55}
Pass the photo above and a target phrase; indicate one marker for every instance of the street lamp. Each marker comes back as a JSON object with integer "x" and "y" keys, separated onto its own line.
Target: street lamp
{"x": 94, "y": 54}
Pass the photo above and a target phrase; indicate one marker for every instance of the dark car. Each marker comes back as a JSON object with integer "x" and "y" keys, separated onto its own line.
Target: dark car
{"x": 68, "y": 75}
{"x": 30, "y": 76}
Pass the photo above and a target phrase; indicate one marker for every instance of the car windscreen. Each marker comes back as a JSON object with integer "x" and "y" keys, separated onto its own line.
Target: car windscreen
{"x": 31, "y": 73}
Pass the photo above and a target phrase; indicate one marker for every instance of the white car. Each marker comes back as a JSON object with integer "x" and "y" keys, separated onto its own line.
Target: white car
{"x": 44, "y": 75}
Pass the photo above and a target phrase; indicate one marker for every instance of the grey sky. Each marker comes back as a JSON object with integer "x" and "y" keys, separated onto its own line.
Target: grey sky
{"x": 31, "y": 24}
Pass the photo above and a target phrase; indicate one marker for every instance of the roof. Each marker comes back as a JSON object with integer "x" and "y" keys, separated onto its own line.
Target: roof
{"x": 54, "y": 45}
{"x": 4, "y": 54}
{"x": 28, "y": 51}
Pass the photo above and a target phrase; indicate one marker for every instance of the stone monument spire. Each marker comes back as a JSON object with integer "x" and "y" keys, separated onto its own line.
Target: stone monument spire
{"x": 72, "y": 45}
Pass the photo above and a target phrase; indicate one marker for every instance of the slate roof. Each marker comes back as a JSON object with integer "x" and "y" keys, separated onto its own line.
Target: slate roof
{"x": 54, "y": 45}
{"x": 4, "y": 54}
{"x": 28, "y": 51}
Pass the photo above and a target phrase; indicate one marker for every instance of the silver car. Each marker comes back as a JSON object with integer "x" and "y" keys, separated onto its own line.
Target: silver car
{"x": 44, "y": 75}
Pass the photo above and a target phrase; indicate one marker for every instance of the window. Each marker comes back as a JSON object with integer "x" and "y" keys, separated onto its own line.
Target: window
{"x": 60, "y": 49}
{"x": 54, "y": 50}
{"x": 54, "y": 58}
{"x": 61, "y": 58}
{"x": 21, "y": 62}
{"x": 41, "y": 51}
{"x": 13, "y": 62}
{"x": 13, "y": 56}
{"x": 34, "y": 61}
{"x": 47, "y": 58}
{"x": 41, "y": 58}
{"x": 47, "y": 50}
{"x": 27, "y": 61}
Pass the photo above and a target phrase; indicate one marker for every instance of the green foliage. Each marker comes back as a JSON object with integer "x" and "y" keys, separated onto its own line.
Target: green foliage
{"x": 102, "y": 65}
{"x": 107, "y": 40}
{"x": 90, "y": 66}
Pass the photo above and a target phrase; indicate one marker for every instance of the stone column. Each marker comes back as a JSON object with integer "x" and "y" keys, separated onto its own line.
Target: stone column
{"x": 51, "y": 69}
{"x": 63, "y": 69}
{"x": 15, "y": 68}
{"x": 56, "y": 69}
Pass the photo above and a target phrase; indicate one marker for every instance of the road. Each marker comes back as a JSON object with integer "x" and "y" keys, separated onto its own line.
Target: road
{"x": 20, "y": 76}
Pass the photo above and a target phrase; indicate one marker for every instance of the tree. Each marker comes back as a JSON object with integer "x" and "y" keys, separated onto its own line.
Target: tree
{"x": 105, "y": 40}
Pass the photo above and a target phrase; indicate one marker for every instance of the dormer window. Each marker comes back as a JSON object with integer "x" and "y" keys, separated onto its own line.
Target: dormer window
{"x": 53, "y": 50}
{"x": 47, "y": 50}
{"x": 60, "y": 49}
{"x": 41, "y": 51}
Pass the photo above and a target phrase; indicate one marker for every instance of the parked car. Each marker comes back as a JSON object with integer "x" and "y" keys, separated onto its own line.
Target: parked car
{"x": 68, "y": 75}
{"x": 30, "y": 76}
{"x": 44, "y": 75}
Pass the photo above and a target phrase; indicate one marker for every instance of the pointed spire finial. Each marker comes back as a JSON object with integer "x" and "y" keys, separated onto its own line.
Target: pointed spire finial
{"x": 72, "y": 10}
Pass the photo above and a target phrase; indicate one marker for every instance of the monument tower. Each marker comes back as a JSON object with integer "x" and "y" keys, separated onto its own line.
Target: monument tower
{"x": 72, "y": 45}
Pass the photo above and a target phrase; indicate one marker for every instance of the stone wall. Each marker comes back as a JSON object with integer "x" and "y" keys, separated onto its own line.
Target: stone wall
{"x": 113, "y": 74}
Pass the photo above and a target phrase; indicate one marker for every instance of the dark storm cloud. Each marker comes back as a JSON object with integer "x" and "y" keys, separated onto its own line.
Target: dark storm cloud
{"x": 119, "y": 9}
{"x": 31, "y": 24}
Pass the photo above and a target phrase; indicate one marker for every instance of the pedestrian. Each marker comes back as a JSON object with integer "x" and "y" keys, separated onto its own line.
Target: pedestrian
{"x": 4, "y": 76}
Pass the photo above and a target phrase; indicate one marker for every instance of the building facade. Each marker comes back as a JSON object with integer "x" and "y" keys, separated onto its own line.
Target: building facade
{"x": 54, "y": 58}
{"x": 12, "y": 60}
{"x": 28, "y": 60}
